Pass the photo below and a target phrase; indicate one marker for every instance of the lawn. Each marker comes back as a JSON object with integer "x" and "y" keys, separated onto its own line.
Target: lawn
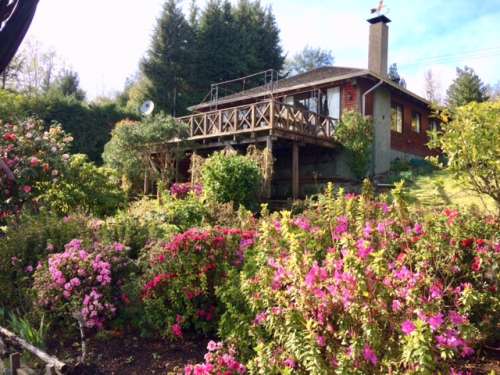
{"x": 440, "y": 188}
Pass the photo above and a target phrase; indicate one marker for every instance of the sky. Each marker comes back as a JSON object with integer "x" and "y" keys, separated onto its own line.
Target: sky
{"x": 104, "y": 40}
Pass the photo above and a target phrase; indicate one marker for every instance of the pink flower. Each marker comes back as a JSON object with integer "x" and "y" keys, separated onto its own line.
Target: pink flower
{"x": 29, "y": 269}
{"x": 177, "y": 330}
{"x": 407, "y": 327}
{"x": 118, "y": 247}
{"x": 321, "y": 340}
{"x": 27, "y": 189}
{"x": 456, "y": 318}
{"x": 212, "y": 346}
{"x": 34, "y": 162}
{"x": 435, "y": 321}
{"x": 289, "y": 362}
{"x": 363, "y": 250}
{"x": 396, "y": 305}
{"x": 370, "y": 355}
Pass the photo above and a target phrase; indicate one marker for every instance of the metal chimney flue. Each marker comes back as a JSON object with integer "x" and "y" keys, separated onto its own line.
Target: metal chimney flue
{"x": 378, "y": 45}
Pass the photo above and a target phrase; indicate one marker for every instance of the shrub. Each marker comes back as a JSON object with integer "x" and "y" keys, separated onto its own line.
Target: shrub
{"x": 82, "y": 280}
{"x": 83, "y": 187}
{"x": 181, "y": 277}
{"x": 470, "y": 142}
{"x": 30, "y": 155}
{"x": 355, "y": 133}
{"x": 360, "y": 286}
{"x": 25, "y": 243}
{"x": 232, "y": 178}
{"x": 182, "y": 190}
{"x": 148, "y": 220}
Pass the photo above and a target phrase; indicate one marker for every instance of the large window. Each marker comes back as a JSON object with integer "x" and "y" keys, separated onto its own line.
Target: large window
{"x": 416, "y": 122}
{"x": 397, "y": 117}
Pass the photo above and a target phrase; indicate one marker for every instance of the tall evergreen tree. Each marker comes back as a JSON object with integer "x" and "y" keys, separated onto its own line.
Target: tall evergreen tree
{"x": 308, "y": 59}
{"x": 68, "y": 84}
{"x": 169, "y": 61}
{"x": 466, "y": 88}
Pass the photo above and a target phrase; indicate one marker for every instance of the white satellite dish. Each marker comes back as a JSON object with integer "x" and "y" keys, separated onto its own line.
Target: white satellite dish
{"x": 147, "y": 107}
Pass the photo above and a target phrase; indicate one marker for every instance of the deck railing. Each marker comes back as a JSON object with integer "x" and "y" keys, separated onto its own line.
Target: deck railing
{"x": 265, "y": 115}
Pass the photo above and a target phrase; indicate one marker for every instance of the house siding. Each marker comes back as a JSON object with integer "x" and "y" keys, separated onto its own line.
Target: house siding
{"x": 409, "y": 141}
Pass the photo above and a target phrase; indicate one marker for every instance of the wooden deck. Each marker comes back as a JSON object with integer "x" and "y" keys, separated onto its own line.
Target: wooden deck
{"x": 268, "y": 117}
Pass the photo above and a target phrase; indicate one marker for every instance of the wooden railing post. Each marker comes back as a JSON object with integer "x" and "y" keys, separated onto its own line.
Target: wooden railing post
{"x": 271, "y": 114}
{"x": 219, "y": 122}
{"x": 235, "y": 124}
{"x": 252, "y": 115}
{"x": 295, "y": 171}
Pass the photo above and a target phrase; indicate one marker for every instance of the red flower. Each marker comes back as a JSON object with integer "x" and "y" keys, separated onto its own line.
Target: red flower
{"x": 476, "y": 264}
{"x": 10, "y": 137}
{"x": 467, "y": 243}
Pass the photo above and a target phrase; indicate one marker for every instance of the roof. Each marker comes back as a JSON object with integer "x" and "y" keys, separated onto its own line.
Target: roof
{"x": 314, "y": 77}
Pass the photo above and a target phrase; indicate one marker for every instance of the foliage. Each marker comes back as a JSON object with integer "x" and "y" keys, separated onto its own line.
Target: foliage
{"x": 32, "y": 155}
{"x": 361, "y": 286}
{"x": 223, "y": 42}
{"x": 183, "y": 190}
{"x": 394, "y": 75}
{"x": 218, "y": 360}
{"x": 82, "y": 281}
{"x": 138, "y": 147}
{"x": 83, "y": 187}
{"x": 169, "y": 61}
{"x": 23, "y": 327}
{"x": 471, "y": 143}
{"x": 143, "y": 221}
{"x": 181, "y": 277}
{"x": 68, "y": 84}
{"x": 232, "y": 178}
{"x": 308, "y": 59}
{"x": 25, "y": 243}
{"x": 89, "y": 124}
{"x": 355, "y": 133}
{"x": 466, "y": 88}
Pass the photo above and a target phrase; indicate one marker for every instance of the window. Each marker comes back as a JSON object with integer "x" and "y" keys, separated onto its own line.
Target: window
{"x": 416, "y": 121}
{"x": 397, "y": 118}
{"x": 434, "y": 125}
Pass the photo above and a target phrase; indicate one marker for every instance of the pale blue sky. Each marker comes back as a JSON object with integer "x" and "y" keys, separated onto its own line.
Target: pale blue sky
{"x": 105, "y": 39}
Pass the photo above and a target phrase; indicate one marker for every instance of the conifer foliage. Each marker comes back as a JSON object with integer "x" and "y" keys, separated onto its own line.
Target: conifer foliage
{"x": 220, "y": 42}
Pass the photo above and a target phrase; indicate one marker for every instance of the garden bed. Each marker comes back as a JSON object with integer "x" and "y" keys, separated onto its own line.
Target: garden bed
{"x": 134, "y": 355}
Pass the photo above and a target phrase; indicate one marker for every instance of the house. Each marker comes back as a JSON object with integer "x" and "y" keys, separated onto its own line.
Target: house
{"x": 296, "y": 119}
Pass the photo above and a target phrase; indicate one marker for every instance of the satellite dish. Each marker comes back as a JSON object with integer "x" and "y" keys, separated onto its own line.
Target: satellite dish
{"x": 147, "y": 107}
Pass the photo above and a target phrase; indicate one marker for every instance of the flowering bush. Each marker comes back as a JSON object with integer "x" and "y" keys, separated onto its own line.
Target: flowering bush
{"x": 26, "y": 241}
{"x": 182, "y": 190}
{"x": 31, "y": 155}
{"x": 218, "y": 360}
{"x": 361, "y": 286}
{"x": 181, "y": 277}
{"x": 83, "y": 280}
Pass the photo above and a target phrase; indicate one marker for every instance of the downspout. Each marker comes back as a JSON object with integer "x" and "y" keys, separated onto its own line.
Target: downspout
{"x": 363, "y": 106}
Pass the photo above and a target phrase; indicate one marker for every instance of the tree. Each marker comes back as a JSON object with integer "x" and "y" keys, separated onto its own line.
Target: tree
{"x": 395, "y": 77}
{"x": 432, "y": 87}
{"x": 467, "y": 87}
{"x": 136, "y": 147}
{"x": 308, "y": 59}
{"x": 68, "y": 84}
{"x": 10, "y": 76}
{"x": 494, "y": 91}
{"x": 40, "y": 68}
{"x": 471, "y": 140}
{"x": 169, "y": 60}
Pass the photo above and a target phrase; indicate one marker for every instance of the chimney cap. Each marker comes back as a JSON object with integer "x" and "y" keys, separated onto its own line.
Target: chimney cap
{"x": 377, "y": 19}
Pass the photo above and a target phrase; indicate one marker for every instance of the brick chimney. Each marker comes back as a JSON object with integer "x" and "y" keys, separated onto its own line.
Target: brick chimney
{"x": 378, "y": 45}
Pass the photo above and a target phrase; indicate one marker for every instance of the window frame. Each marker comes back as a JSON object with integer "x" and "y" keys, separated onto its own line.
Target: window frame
{"x": 418, "y": 124}
{"x": 394, "y": 107}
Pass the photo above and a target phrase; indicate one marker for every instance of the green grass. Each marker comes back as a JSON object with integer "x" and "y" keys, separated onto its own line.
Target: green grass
{"x": 440, "y": 188}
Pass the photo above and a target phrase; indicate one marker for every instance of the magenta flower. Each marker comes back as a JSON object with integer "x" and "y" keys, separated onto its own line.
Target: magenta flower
{"x": 369, "y": 355}
{"x": 177, "y": 330}
{"x": 436, "y": 321}
{"x": 407, "y": 327}
{"x": 289, "y": 362}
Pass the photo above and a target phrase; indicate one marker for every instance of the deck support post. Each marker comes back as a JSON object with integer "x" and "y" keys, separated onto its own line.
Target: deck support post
{"x": 269, "y": 177}
{"x": 295, "y": 171}
{"x": 146, "y": 183}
